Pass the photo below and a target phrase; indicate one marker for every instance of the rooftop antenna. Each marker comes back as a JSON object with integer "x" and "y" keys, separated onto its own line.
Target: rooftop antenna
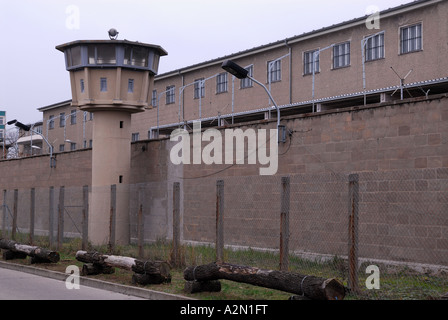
{"x": 401, "y": 83}
{"x": 113, "y": 34}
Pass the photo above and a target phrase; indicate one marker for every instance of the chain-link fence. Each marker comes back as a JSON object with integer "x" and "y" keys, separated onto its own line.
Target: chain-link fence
{"x": 383, "y": 234}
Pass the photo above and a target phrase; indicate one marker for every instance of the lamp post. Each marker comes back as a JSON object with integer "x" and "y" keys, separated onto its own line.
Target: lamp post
{"x": 363, "y": 49}
{"x": 27, "y": 129}
{"x": 242, "y": 73}
{"x": 315, "y": 55}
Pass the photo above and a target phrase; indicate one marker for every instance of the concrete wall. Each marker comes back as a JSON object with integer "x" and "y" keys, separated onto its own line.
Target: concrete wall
{"x": 399, "y": 150}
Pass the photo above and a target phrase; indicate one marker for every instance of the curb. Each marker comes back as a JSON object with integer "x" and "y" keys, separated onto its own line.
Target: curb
{"x": 98, "y": 284}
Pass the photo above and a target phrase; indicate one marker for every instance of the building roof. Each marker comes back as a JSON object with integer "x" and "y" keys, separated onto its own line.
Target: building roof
{"x": 160, "y": 50}
{"x": 305, "y": 36}
{"x": 56, "y": 105}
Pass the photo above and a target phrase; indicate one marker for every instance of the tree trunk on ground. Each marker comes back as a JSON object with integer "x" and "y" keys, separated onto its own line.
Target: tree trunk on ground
{"x": 138, "y": 278}
{"x": 159, "y": 268}
{"x": 202, "y": 286}
{"x": 312, "y": 287}
{"x": 39, "y": 255}
{"x": 11, "y": 255}
{"x": 89, "y": 269}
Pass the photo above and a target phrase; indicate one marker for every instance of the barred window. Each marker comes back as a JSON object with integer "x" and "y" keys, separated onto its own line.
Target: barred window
{"x": 246, "y": 82}
{"x": 154, "y": 100}
{"x": 308, "y": 62}
{"x": 375, "y": 48}
{"x": 341, "y": 55}
{"x": 274, "y": 71}
{"x": 411, "y": 39}
{"x": 170, "y": 94}
{"x": 199, "y": 88}
{"x": 51, "y": 122}
{"x": 221, "y": 83}
{"x": 135, "y": 137}
{"x": 62, "y": 119}
{"x": 73, "y": 117}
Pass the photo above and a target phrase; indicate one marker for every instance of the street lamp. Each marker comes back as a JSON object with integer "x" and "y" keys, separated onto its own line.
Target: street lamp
{"x": 241, "y": 73}
{"x": 28, "y": 128}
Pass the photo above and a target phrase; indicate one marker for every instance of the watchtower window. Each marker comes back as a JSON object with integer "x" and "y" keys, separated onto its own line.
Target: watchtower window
{"x": 103, "y": 85}
{"x": 102, "y": 54}
{"x": 131, "y": 85}
{"x": 73, "y": 56}
{"x": 136, "y": 56}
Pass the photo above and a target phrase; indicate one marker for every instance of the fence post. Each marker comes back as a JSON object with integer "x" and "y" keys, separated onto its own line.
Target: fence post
{"x": 284, "y": 224}
{"x": 14, "y": 214}
{"x": 85, "y": 217}
{"x": 113, "y": 204}
{"x": 51, "y": 217}
{"x": 220, "y": 221}
{"x": 176, "y": 224}
{"x": 61, "y": 208}
{"x": 353, "y": 233}
{"x": 4, "y": 214}
{"x": 32, "y": 207}
{"x": 140, "y": 223}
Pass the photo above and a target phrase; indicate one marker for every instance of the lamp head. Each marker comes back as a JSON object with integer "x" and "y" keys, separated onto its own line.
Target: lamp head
{"x": 235, "y": 69}
{"x": 23, "y": 126}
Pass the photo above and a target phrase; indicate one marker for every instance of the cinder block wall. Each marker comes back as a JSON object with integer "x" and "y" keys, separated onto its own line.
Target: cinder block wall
{"x": 399, "y": 151}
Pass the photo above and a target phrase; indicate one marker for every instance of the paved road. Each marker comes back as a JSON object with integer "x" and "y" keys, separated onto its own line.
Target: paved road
{"x": 15, "y": 285}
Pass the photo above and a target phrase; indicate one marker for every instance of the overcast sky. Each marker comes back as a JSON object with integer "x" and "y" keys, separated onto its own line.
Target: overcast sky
{"x": 32, "y": 71}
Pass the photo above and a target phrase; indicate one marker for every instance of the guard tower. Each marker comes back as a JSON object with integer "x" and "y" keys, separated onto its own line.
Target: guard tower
{"x": 112, "y": 79}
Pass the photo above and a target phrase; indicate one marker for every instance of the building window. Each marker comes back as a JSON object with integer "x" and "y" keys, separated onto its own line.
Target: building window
{"x": 131, "y": 86}
{"x": 411, "y": 39}
{"x": 199, "y": 88}
{"x": 62, "y": 120}
{"x": 341, "y": 55}
{"x": 135, "y": 137}
{"x": 170, "y": 94}
{"x": 51, "y": 122}
{"x": 73, "y": 117}
{"x": 103, "y": 85}
{"x": 308, "y": 62}
{"x": 274, "y": 71}
{"x": 154, "y": 100}
{"x": 61, "y": 148}
{"x": 246, "y": 82}
{"x": 72, "y": 146}
{"x": 82, "y": 85}
{"x": 221, "y": 82}
{"x": 90, "y": 143}
{"x": 375, "y": 48}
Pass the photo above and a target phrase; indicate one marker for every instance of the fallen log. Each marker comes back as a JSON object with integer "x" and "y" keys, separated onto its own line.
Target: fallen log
{"x": 89, "y": 269}
{"x": 39, "y": 255}
{"x": 160, "y": 268}
{"x": 11, "y": 255}
{"x": 312, "y": 287}
{"x": 144, "y": 279}
{"x": 202, "y": 286}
